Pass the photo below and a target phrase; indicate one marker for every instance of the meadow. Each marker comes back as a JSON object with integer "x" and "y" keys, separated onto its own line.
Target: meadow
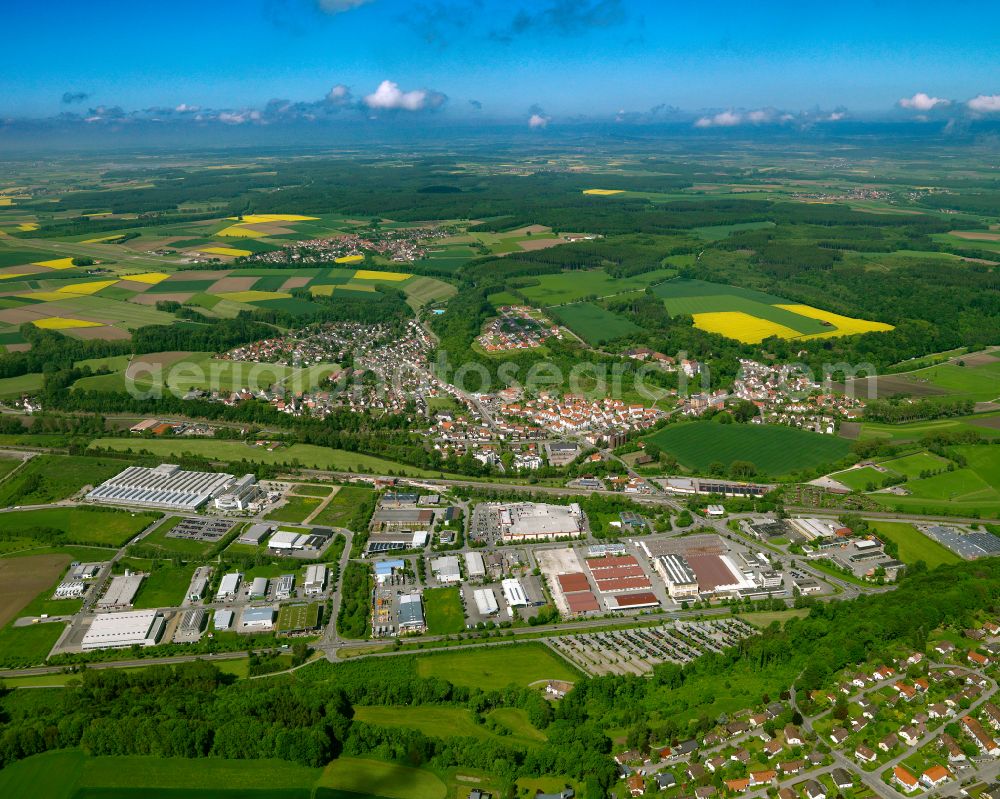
{"x": 294, "y": 509}
{"x": 165, "y": 587}
{"x": 339, "y": 510}
{"x": 83, "y": 525}
{"x": 443, "y": 611}
{"x": 24, "y": 579}
{"x": 594, "y": 324}
{"x": 49, "y": 478}
{"x": 914, "y": 545}
{"x": 443, "y": 722}
{"x": 569, "y": 287}
{"x": 377, "y": 779}
{"x": 491, "y": 668}
{"x": 308, "y": 455}
{"x": 911, "y": 431}
{"x": 775, "y": 450}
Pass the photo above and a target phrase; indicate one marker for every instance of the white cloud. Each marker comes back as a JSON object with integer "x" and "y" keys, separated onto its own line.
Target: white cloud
{"x": 184, "y": 108}
{"x": 339, "y": 6}
{"x": 725, "y": 119}
{"x": 922, "y": 101}
{"x": 389, "y": 97}
{"x": 538, "y": 121}
{"x": 835, "y": 116}
{"x": 985, "y": 103}
{"x": 239, "y": 117}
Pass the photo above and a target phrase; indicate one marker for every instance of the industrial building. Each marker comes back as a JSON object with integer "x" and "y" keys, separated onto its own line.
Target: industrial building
{"x": 811, "y": 529}
{"x": 229, "y": 586}
{"x": 475, "y": 567}
{"x": 316, "y": 577}
{"x": 239, "y": 495}
{"x": 446, "y": 569}
{"x": 695, "y": 485}
{"x": 682, "y": 582}
{"x": 411, "y": 614}
{"x": 121, "y": 630}
{"x": 165, "y": 486}
{"x": 73, "y": 589}
{"x": 84, "y": 571}
{"x": 258, "y": 588}
{"x": 536, "y": 521}
{"x": 223, "y": 619}
{"x": 191, "y": 625}
{"x": 199, "y": 583}
{"x": 258, "y": 618}
{"x": 403, "y": 518}
{"x": 384, "y": 569}
{"x": 285, "y": 587}
{"x": 287, "y": 541}
{"x": 513, "y": 593}
{"x": 121, "y": 592}
{"x": 486, "y": 601}
{"x": 255, "y": 534}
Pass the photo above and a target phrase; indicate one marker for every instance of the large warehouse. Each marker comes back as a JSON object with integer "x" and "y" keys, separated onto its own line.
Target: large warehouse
{"x": 120, "y": 630}
{"x": 121, "y": 591}
{"x": 166, "y": 486}
{"x": 534, "y": 521}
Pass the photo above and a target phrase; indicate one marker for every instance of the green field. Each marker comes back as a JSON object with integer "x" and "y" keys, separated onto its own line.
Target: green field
{"x": 719, "y": 232}
{"x": 339, "y": 510}
{"x": 308, "y": 455}
{"x": 377, "y": 779}
{"x": 174, "y": 547}
{"x": 295, "y": 509}
{"x": 594, "y": 324}
{"x": 29, "y": 645}
{"x": 443, "y": 611}
{"x": 312, "y": 490}
{"x": 298, "y": 617}
{"x": 949, "y": 380}
{"x": 493, "y": 668}
{"x": 912, "y": 465}
{"x": 775, "y": 450}
{"x": 442, "y": 721}
{"x": 914, "y": 545}
{"x": 22, "y": 384}
{"x": 48, "y": 478}
{"x": 84, "y": 525}
{"x": 166, "y": 587}
{"x": 70, "y": 774}
{"x": 860, "y": 479}
{"x": 574, "y": 286}
{"x": 911, "y": 431}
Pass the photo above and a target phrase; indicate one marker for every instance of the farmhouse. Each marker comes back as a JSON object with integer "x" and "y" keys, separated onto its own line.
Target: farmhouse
{"x": 165, "y": 486}
{"x": 120, "y": 630}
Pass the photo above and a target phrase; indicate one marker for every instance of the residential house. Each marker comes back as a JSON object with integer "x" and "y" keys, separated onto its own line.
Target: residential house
{"x": 842, "y": 779}
{"x": 665, "y": 780}
{"x": 705, "y": 792}
{"x": 813, "y": 790}
{"x": 792, "y": 766}
{"x": 904, "y": 779}
{"x": 950, "y": 745}
{"x": 979, "y": 660}
{"x": 788, "y": 793}
{"x": 636, "y": 785}
{"x": 792, "y": 735}
{"x": 737, "y": 786}
{"x": 763, "y": 777}
{"x": 992, "y": 714}
{"x": 936, "y": 775}
{"x": 773, "y": 748}
{"x": 944, "y": 647}
{"x": 890, "y": 742}
{"x": 980, "y": 737}
{"x": 864, "y": 754}
{"x": 838, "y": 735}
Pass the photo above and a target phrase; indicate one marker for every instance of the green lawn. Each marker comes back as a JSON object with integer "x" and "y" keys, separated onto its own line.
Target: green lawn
{"x": 341, "y": 508}
{"x": 7, "y": 465}
{"x": 775, "y": 450}
{"x": 978, "y": 383}
{"x": 914, "y": 545}
{"x": 859, "y": 479}
{"x": 376, "y": 778}
{"x": 443, "y": 611}
{"x": 307, "y": 455}
{"x": 171, "y": 547}
{"x": 497, "y": 667}
{"x": 912, "y": 431}
{"x": 442, "y": 721}
{"x": 47, "y": 478}
{"x": 295, "y": 509}
{"x": 22, "y": 384}
{"x": 913, "y": 465}
{"x": 82, "y": 525}
{"x": 313, "y": 490}
{"x": 594, "y": 324}
{"x": 573, "y": 286}
{"x": 28, "y": 646}
{"x": 165, "y": 587}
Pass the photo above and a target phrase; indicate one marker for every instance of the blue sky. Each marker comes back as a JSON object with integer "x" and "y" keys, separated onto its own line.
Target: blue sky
{"x": 564, "y": 57}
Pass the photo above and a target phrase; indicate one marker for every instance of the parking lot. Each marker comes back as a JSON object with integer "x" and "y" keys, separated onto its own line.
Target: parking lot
{"x": 198, "y": 529}
{"x": 638, "y": 650}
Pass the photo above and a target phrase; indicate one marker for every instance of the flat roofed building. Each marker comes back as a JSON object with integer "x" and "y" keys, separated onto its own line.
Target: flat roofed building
{"x": 535, "y": 521}
{"x": 811, "y": 529}
{"x": 120, "y": 630}
{"x": 411, "y": 613}
{"x": 384, "y": 569}
{"x": 446, "y": 569}
{"x": 486, "y": 601}
{"x": 229, "y": 586}
{"x": 121, "y": 591}
{"x": 84, "y": 571}
{"x": 258, "y": 588}
{"x": 475, "y": 567}
{"x": 403, "y": 518}
{"x": 193, "y": 621}
{"x": 513, "y": 593}
{"x": 285, "y": 587}
{"x": 287, "y": 540}
{"x": 258, "y": 618}
{"x": 255, "y": 534}
{"x": 239, "y": 495}
{"x": 682, "y": 582}
{"x": 223, "y": 619}
{"x": 316, "y": 576}
{"x": 165, "y": 486}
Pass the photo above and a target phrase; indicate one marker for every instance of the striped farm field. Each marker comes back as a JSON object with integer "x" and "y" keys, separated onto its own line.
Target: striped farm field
{"x": 751, "y": 316}
{"x": 603, "y": 192}
{"x": 251, "y": 219}
{"x": 231, "y": 251}
{"x": 776, "y": 450}
{"x": 369, "y": 274}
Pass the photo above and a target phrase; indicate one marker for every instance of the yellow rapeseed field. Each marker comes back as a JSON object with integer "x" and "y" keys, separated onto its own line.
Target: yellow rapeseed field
{"x": 368, "y": 274}
{"x": 56, "y": 263}
{"x": 842, "y": 325}
{"x": 101, "y": 240}
{"x": 233, "y": 251}
{"x": 741, "y": 326}
{"x": 6, "y": 201}
{"x": 251, "y": 219}
{"x": 63, "y": 323}
{"x": 253, "y": 296}
{"x": 349, "y": 259}
{"x": 12, "y": 275}
{"x": 322, "y": 291}
{"x": 241, "y": 232}
{"x": 86, "y": 288}
{"x": 151, "y": 278}
{"x": 603, "y": 192}
{"x": 27, "y": 227}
